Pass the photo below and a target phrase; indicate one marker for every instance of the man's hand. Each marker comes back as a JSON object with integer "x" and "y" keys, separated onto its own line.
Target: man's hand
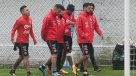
{"x": 66, "y": 31}
{"x": 12, "y": 40}
{"x": 35, "y": 42}
{"x": 102, "y": 38}
{"x": 72, "y": 24}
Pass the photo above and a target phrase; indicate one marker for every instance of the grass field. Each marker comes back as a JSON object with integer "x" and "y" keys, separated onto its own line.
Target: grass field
{"x": 36, "y": 72}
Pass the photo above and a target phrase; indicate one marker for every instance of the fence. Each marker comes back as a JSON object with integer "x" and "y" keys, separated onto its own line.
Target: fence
{"x": 109, "y": 13}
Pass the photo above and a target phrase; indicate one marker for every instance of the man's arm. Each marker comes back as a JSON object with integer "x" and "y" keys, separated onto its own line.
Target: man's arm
{"x": 32, "y": 35}
{"x": 15, "y": 27}
{"x": 97, "y": 29}
{"x": 44, "y": 28}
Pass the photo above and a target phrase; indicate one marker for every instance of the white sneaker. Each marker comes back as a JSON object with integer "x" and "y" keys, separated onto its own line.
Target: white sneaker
{"x": 56, "y": 74}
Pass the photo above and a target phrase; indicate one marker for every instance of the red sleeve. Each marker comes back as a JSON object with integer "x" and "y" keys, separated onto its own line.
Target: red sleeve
{"x": 32, "y": 35}
{"x": 73, "y": 18}
{"x": 44, "y": 27}
{"x": 69, "y": 23}
{"x": 97, "y": 29}
{"x": 15, "y": 27}
{"x": 79, "y": 27}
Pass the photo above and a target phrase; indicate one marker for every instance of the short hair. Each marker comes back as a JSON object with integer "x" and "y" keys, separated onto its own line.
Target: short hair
{"x": 22, "y": 8}
{"x": 59, "y": 6}
{"x": 71, "y": 7}
{"x": 88, "y": 4}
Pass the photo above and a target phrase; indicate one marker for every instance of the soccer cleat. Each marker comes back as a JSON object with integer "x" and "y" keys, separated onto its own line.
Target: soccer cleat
{"x": 78, "y": 69}
{"x": 97, "y": 69}
{"x": 86, "y": 74}
{"x": 12, "y": 72}
{"x": 55, "y": 74}
{"x": 29, "y": 74}
{"x": 60, "y": 72}
{"x": 42, "y": 69}
{"x": 74, "y": 69}
{"x": 81, "y": 69}
{"x": 65, "y": 72}
{"x": 49, "y": 71}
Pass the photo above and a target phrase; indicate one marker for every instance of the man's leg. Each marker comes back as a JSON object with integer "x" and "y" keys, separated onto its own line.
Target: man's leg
{"x": 59, "y": 61}
{"x": 85, "y": 51}
{"x": 85, "y": 73}
{"x": 25, "y": 54}
{"x": 44, "y": 66}
{"x": 26, "y": 63}
{"x": 18, "y": 61}
{"x": 69, "y": 58}
{"x": 82, "y": 67}
{"x": 68, "y": 45}
{"x": 92, "y": 58}
{"x": 54, "y": 61}
{"x": 53, "y": 45}
{"x": 82, "y": 59}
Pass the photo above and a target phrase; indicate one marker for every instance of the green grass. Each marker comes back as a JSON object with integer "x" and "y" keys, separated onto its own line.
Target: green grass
{"x": 36, "y": 72}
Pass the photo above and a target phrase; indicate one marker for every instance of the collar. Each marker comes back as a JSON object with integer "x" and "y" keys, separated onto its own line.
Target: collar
{"x": 25, "y": 17}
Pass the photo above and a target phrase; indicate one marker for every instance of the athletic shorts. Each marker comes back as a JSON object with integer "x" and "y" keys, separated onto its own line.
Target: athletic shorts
{"x": 68, "y": 43}
{"x": 60, "y": 47}
{"x": 23, "y": 48}
{"x": 53, "y": 46}
{"x": 86, "y": 48}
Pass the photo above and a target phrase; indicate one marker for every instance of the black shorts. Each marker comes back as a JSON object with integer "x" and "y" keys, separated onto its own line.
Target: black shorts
{"x": 60, "y": 47}
{"x": 86, "y": 48}
{"x": 23, "y": 48}
{"x": 53, "y": 46}
{"x": 68, "y": 43}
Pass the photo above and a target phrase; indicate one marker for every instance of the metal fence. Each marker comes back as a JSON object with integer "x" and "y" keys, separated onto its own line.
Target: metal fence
{"x": 109, "y": 13}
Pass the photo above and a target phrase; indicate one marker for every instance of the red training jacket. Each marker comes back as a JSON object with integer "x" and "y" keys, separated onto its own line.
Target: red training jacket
{"x": 85, "y": 26}
{"x": 67, "y": 19}
{"x": 23, "y": 25}
{"x": 49, "y": 27}
{"x": 60, "y": 29}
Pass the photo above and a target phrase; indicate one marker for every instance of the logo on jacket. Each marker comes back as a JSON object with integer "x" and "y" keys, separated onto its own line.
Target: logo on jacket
{"x": 58, "y": 21}
{"x": 27, "y": 26}
{"x": 67, "y": 20}
{"x": 86, "y": 23}
{"x": 27, "y": 30}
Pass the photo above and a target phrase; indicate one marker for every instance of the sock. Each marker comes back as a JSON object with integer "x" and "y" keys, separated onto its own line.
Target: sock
{"x": 13, "y": 71}
{"x": 76, "y": 65}
{"x": 43, "y": 66}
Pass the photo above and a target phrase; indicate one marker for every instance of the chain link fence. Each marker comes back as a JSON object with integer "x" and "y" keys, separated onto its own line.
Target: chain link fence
{"x": 109, "y": 13}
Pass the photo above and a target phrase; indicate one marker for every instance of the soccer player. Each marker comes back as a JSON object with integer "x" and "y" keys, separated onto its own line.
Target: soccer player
{"x": 49, "y": 34}
{"x": 92, "y": 58}
{"x": 70, "y": 22}
{"x": 86, "y": 24}
{"x": 60, "y": 40}
{"x": 23, "y": 26}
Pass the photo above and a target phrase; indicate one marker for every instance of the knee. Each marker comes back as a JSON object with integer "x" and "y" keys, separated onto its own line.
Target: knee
{"x": 87, "y": 56}
{"x": 25, "y": 62}
{"x": 69, "y": 54}
{"x": 54, "y": 55}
